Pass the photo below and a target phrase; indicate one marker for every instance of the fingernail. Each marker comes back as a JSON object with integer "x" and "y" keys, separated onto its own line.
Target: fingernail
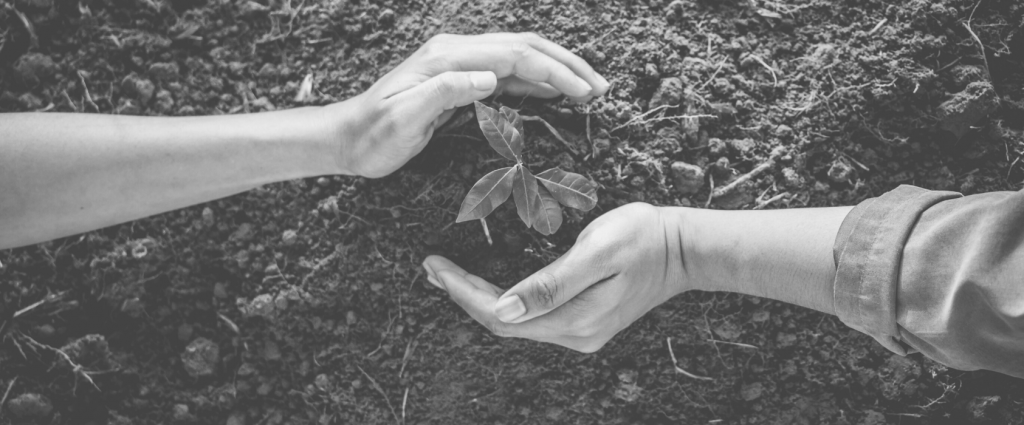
{"x": 483, "y": 81}
{"x": 434, "y": 282}
{"x": 600, "y": 79}
{"x": 509, "y": 308}
{"x": 430, "y": 271}
{"x": 584, "y": 85}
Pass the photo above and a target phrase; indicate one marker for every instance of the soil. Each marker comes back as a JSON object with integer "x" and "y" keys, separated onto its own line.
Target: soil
{"x": 303, "y": 301}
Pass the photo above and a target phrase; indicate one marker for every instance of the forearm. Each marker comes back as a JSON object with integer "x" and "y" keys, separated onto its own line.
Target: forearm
{"x": 62, "y": 174}
{"x": 784, "y": 255}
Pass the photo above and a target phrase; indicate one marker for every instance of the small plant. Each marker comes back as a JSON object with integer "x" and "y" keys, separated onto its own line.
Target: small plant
{"x": 537, "y": 203}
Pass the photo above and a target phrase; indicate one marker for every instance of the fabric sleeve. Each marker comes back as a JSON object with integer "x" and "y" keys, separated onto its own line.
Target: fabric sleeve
{"x": 938, "y": 273}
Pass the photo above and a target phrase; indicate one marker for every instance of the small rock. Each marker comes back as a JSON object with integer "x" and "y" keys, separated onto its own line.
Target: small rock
{"x": 289, "y": 237}
{"x": 164, "y": 71}
{"x": 30, "y": 406}
{"x": 35, "y": 67}
{"x": 741, "y": 146}
{"x": 751, "y": 392}
{"x": 200, "y": 357}
{"x": 722, "y": 109}
{"x": 840, "y": 171}
{"x": 208, "y": 216}
{"x": 669, "y": 92}
{"x": 350, "y": 318}
{"x": 966, "y": 108}
{"x": 689, "y": 178}
{"x": 180, "y": 413}
{"x": 30, "y": 101}
{"x": 138, "y": 87}
{"x": 784, "y": 132}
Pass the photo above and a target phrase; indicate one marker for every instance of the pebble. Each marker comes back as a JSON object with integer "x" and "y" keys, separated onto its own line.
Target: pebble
{"x": 262, "y": 305}
{"x": 751, "y": 392}
{"x": 164, "y": 71}
{"x": 741, "y": 146}
{"x": 180, "y": 413}
{"x": 200, "y": 357}
{"x": 350, "y": 318}
{"x": 208, "y": 216}
{"x": 289, "y": 237}
{"x": 792, "y": 179}
{"x": 689, "y": 178}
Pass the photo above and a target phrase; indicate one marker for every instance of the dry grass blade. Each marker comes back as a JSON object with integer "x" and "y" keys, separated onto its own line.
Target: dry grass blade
{"x": 7, "y": 394}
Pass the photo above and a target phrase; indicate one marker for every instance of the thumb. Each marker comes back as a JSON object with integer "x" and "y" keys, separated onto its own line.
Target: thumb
{"x": 447, "y": 91}
{"x": 548, "y": 288}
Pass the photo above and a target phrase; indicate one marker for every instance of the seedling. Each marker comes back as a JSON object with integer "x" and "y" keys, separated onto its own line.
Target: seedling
{"x": 538, "y": 197}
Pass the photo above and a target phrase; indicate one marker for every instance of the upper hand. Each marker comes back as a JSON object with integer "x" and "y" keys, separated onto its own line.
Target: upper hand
{"x": 384, "y": 127}
{"x": 623, "y": 264}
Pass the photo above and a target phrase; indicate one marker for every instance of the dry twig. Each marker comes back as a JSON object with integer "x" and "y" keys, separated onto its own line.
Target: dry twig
{"x": 377, "y": 387}
{"x": 676, "y": 363}
{"x": 551, "y": 128}
{"x": 725, "y": 190}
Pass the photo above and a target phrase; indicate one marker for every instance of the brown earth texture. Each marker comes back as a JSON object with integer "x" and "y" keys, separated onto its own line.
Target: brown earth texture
{"x": 303, "y": 302}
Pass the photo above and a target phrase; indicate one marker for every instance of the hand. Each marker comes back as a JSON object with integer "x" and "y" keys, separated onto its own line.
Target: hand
{"x": 391, "y": 122}
{"x": 625, "y": 263}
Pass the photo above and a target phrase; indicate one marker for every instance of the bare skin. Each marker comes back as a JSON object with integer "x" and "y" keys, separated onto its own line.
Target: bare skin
{"x": 63, "y": 174}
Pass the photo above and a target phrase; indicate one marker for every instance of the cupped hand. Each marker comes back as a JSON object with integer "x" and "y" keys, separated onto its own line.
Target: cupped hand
{"x": 625, "y": 263}
{"x": 381, "y": 129}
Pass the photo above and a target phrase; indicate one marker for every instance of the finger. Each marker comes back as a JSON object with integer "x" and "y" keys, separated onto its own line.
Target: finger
{"x": 444, "y": 92}
{"x": 434, "y": 264}
{"x": 504, "y": 58}
{"x": 577, "y": 64}
{"x": 551, "y": 287}
{"x": 515, "y": 86}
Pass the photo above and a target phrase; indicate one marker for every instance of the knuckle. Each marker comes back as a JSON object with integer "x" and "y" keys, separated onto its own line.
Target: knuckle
{"x": 545, "y": 290}
{"x": 520, "y": 50}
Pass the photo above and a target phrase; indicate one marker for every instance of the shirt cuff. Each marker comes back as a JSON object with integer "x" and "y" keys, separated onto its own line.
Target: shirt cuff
{"x": 868, "y": 252}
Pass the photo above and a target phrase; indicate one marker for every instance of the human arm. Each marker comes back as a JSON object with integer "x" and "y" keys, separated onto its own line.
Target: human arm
{"x": 917, "y": 270}
{"x": 636, "y": 257}
{"x": 62, "y": 174}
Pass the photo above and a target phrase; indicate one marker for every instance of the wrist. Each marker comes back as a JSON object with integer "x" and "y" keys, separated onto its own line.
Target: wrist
{"x": 677, "y": 225}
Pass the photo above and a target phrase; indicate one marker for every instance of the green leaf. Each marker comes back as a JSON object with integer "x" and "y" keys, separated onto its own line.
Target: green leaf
{"x": 513, "y": 117}
{"x": 487, "y": 194}
{"x": 550, "y": 217}
{"x": 524, "y": 191}
{"x": 501, "y": 134}
{"x": 571, "y": 189}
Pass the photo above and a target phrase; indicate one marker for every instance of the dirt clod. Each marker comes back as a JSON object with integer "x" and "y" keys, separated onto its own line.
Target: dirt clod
{"x": 164, "y": 71}
{"x": 200, "y": 357}
{"x": 30, "y": 406}
{"x": 966, "y": 108}
{"x": 670, "y": 92}
{"x": 840, "y": 171}
{"x": 689, "y": 178}
{"x": 138, "y": 88}
{"x": 35, "y": 67}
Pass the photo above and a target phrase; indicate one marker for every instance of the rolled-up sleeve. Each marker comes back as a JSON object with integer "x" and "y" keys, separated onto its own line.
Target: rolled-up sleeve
{"x": 939, "y": 273}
